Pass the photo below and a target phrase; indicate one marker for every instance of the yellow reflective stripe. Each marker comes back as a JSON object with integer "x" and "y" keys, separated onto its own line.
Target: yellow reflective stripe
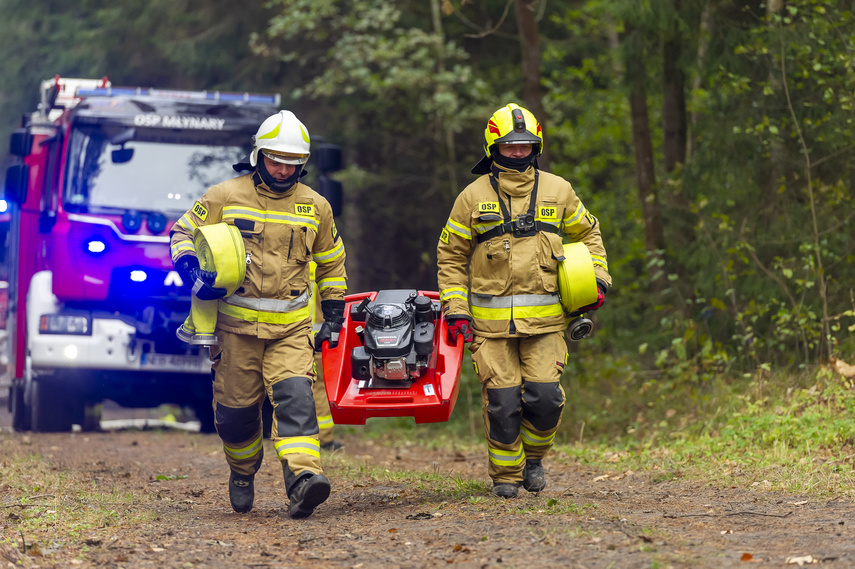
{"x": 298, "y": 445}
{"x": 187, "y": 222}
{"x": 506, "y": 457}
{"x": 486, "y": 226}
{"x": 331, "y": 255}
{"x": 455, "y": 292}
{"x": 235, "y": 212}
{"x": 325, "y": 422}
{"x": 246, "y": 452}
{"x": 536, "y": 440}
{"x": 458, "y": 229}
{"x": 250, "y": 315}
{"x": 518, "y": 312}
{"x": 601, "y": 261}
{"x": 575, "y": 216}
{"x": 332, "y": 283}
{"x": 182, "y": 247}
{"x": 273, "y": 133}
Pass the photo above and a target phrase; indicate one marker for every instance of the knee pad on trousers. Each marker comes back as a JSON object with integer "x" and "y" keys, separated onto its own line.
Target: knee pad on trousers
{"x": 542, "y": 404}
{"x": 294, "y": 406}
{"x": 237, "y": 424}
{"x": 504, "y": 413}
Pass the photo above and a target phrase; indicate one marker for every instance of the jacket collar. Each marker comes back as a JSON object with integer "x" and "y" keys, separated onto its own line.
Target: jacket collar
{"x": 513, "y": 183}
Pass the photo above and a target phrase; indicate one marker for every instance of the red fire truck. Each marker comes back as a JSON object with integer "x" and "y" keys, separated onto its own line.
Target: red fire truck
{"x": 98, "y": 176}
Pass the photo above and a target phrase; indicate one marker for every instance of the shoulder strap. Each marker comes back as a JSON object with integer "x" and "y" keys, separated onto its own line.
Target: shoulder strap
{"x": 524, "y": 225}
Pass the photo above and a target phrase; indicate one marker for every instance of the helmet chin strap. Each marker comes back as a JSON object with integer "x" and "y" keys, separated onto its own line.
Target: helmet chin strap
{"x": 273, "y": 183}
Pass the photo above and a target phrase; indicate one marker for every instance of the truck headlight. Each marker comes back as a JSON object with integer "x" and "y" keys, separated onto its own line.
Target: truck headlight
{"x": 65, "y": 324}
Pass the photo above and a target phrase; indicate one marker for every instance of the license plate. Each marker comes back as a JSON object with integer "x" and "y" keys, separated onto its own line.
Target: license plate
{"x": 173, "y": 362}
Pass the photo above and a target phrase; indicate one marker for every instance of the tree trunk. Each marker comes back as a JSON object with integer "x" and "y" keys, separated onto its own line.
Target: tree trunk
{"x": 448, "y": 134}
{"x": 674, "y": 105}
{"x": 532, "y": 88}
{"x": 654, "y": 236}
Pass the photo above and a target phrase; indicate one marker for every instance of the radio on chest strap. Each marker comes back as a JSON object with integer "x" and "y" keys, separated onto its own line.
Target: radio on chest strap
{"x": 524, "y": 225}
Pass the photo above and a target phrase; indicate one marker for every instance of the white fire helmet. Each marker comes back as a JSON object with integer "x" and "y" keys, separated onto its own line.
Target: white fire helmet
{"x": 283, "y": 138}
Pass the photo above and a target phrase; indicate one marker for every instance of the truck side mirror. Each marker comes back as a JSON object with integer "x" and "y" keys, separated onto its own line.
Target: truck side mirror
{"x": 17, "y": 176}
{"x": 332, "y": 191}
{"x": 328, "y": 158}
{"x": 122, "y": 155}
{"x": 20, "y": 142}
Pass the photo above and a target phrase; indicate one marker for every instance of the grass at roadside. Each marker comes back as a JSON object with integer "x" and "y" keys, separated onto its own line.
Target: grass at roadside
{"x": 787, "y": 432}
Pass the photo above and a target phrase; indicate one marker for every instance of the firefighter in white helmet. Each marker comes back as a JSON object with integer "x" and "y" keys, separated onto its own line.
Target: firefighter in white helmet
{"x": 265, "y": 343}
{"x": 498, "y": 257}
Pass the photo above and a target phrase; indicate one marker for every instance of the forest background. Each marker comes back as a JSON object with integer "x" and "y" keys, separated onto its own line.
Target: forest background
{"x": 712, "y": 139}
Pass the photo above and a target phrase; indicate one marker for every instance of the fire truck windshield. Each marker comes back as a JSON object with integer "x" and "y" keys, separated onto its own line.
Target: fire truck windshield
{"x": 114, "y": 167}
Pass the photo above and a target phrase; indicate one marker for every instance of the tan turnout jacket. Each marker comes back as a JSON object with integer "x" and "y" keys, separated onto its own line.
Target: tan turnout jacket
{"x": 508, "y": 284}
{"x": 282, "y": 233}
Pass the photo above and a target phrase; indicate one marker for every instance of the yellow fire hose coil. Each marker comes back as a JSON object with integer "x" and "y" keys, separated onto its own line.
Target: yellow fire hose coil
{"x": 577, "y": 285}
{"x": 220, "y": 248}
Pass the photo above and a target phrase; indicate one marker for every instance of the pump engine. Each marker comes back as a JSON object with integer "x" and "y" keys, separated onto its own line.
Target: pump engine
{"x": 397, "y": 337}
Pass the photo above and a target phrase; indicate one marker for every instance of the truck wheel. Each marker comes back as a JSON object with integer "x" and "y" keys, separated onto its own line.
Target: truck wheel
{"x": 21, "y": 412}
{"x": 54, "y": 408}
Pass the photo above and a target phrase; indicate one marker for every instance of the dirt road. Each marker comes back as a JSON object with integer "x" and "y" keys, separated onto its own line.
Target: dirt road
{"x": 394, "y": 504}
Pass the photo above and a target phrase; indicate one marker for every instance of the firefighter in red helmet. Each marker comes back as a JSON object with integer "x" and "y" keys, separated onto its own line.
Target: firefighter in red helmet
{"x": 498, "y": 257}
{"x": 264, "y": 340}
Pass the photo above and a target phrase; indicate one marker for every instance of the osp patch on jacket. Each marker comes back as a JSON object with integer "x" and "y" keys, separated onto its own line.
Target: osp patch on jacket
{"x": 547, "y": 212}
{"x": 200, "y": 211}
{"x": 304, "y": 209}
{"x": 488, "y": 207}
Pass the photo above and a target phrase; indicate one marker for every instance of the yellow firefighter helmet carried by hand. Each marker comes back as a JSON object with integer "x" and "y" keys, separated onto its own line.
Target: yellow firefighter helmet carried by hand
{"x": 511, "y": 124}
{"x": 282, "y": 138}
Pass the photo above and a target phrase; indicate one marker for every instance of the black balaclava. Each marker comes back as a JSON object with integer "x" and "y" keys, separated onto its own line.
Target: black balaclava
{"x": 272, "y": 183}
{"x": 518, "y": 164}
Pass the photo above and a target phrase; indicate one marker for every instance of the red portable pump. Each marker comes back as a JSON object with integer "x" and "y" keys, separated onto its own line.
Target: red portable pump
{"x": 393, "y": 359}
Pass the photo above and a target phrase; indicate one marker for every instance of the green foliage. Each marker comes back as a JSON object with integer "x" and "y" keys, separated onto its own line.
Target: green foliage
{"x": 756, "y": 273}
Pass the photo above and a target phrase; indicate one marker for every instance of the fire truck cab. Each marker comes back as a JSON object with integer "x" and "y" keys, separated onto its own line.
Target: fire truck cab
{"x": 98, "y": 176}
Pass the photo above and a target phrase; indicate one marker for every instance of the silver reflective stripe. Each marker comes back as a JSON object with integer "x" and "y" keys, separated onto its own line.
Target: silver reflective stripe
{"x": 269, "y": 304}
{"x": 483, "y": 301}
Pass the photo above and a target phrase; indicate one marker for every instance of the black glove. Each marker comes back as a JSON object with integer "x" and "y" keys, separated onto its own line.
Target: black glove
{"x": 333, "y": 319}
{"x": 458, "y": 326}
{"x": 601, "y": 298}
{"x": 198, "y": 281}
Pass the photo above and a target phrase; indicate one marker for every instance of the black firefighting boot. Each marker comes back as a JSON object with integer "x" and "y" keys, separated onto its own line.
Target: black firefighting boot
{"x": 307, "y": 494}
{"x": 332, "y": 445}
{"x": 534, "y": 476}
{"x": 506, "y": 489}
{"x": 241, "y": 492}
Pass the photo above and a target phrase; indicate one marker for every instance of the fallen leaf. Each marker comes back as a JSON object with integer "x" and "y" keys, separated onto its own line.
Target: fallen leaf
{"x": 727, "y": 531}
{"x": 843, "y": 368}
{"x": 603, "y": 477}
{"x": 798, "y": 503}
{"x": 746, "y": 557}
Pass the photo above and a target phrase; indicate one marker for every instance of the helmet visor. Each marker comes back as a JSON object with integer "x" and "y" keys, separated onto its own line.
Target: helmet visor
{"x": 286, "y": 157}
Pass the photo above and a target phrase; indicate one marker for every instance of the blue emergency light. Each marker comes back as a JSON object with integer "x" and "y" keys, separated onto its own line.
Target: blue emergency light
{"x": 4, "y": 207}
{"x": 96, "y": 246}
{"x": 138, "y": 276}
{"x": 215, "y": 96}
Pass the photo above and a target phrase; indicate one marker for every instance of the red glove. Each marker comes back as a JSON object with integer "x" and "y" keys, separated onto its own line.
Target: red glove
{"x": 459, "y": 327}
{"x": 601, "y": 298}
